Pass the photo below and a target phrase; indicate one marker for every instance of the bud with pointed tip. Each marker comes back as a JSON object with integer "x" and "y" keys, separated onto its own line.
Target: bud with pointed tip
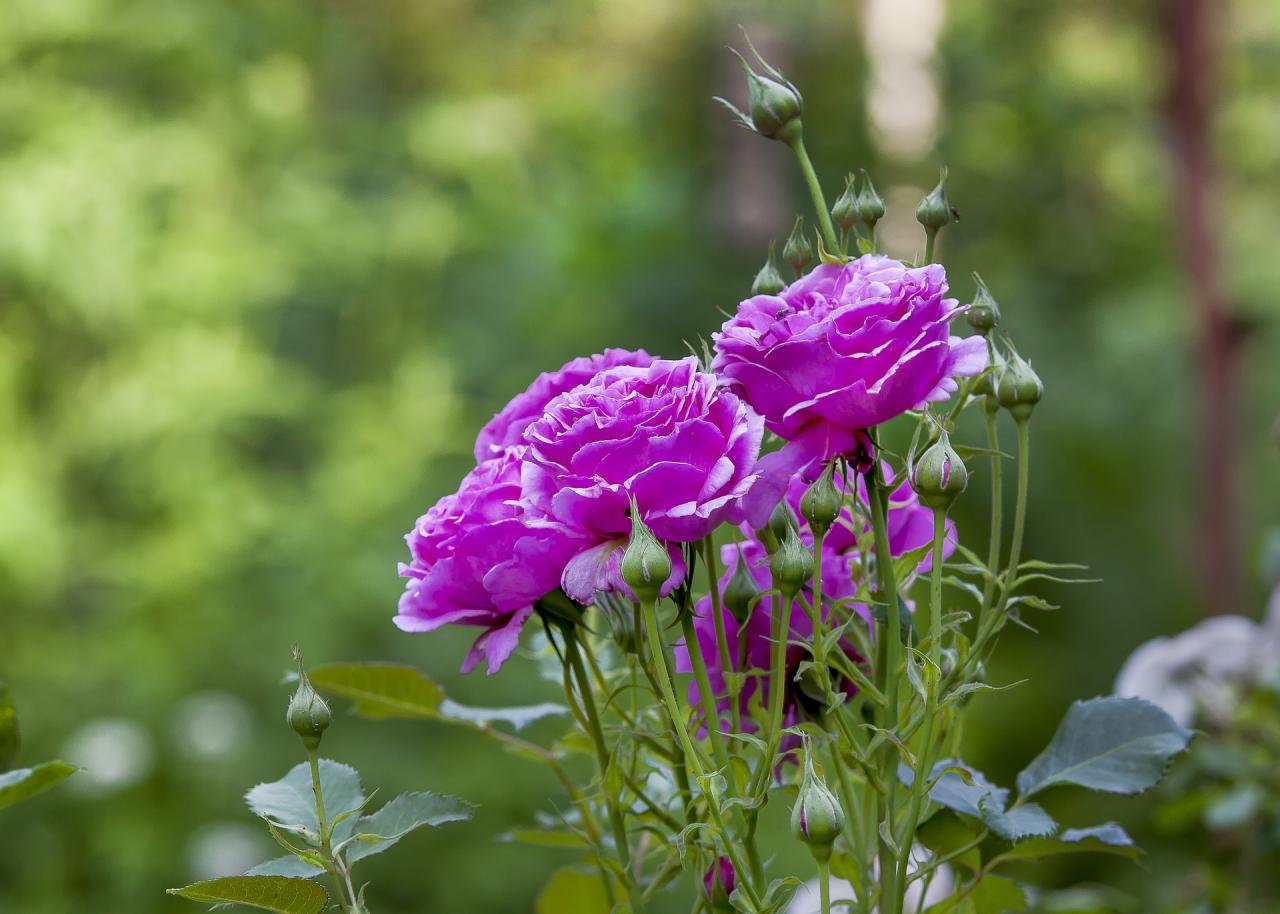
{"x": 741, "y": 591}
{"x": 822, "y": 501}
{"x": 646, "y": 564}
{"x": 768, "y": 281}
{"x": 939, "y": 475}
{"x": 935, "y": 210}
{"x": 870, "y": 203}
{"x": 774, "y": 104}
{"x": 798, "y": 251}
{"x": 845, "y": 211}
{"x": 983, "y": 314}
{"x": 1019, "y": 388}
{"x": 817, "y": 818}
{"x": 791, "y": 565}
{"x": 718, "y": 883}
{"x": 781, "y": 520}
{"x": 308, "y": 715}
{"x": 984, "y": 385}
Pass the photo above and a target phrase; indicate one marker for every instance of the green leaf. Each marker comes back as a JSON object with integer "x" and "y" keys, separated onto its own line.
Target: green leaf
{"x": 945, "y": 833}
{"x": 288, "y": 865}
{"x": 407, "y": 812}
{"x": 519, "y": 717}
{"x": 996, "y": 895}
{"x": 380, "y": 690}
{"x": 1115, "y": 745}
{"x": 22, "y": 783}
{"x": 1100, "y": 839}
{"x": 8, "y": 729}
{"x": 573, "y": 889}
{"x": 1026, "y": 821}
{"x": 266, "y": 893}
{"x": 290, "y": 801}
{"x": 967, "y": 791}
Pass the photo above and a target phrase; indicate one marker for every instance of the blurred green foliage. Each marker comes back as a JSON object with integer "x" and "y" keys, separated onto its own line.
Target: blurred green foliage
{"x": 265, "y": 267}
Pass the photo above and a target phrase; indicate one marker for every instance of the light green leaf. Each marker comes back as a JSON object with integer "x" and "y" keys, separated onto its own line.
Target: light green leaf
{"x": 997, "y": 895}
{"x": 22, "y": 783}
{"x": 266, "y": 893}
{"x": 288, "y": 865}
{"x": 1100, "y": 839}
{"x": 1115, "y": 745}
{"x": 380, "y": 690}
{"x": 573, "y": 889}
{"x": 409, "y": 811}
{"x": 519, "y": 717}
{"x": 290, "y": 801}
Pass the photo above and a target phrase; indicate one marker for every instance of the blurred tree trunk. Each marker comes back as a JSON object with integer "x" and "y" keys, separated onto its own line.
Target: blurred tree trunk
{"x": 1192, "y": 95}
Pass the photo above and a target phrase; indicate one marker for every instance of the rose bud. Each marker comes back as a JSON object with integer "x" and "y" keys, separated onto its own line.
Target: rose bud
{"x": 308, "y": 713}
{"x": 1019, "y": 388}
{"x": 768, "y": 281}
{"x": 791, "y": 565}
{"x": 798, "y": 251}
{"x": 939, "y": 475}
{"x": 845, "y": 211}
{"x": 935, "y": 210}
{"x": 870, "y": 203}
{"x": 781, "y": 520}
{"x": 983, "y": 314}
{"x": 817, "y": 818}
{"x": 741, "y": 591}
{"x": 773, "y": 102}
{"x": 646, "y": 564}
{"x": 821, "y": 502}
{"x": 718, "y": 882}
{"x": 984, "y": 385}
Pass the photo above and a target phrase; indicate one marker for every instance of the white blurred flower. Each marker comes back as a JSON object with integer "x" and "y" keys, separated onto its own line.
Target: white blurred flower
{"x": 224, "y": 849}
{"x": 1202, "y": 669}
{"x": 114, "y": 752}
{"x": 808, "y": 900}
{"x": 212, "y": 724}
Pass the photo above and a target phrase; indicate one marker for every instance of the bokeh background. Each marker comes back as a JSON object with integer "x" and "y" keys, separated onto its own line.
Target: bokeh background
{"x": 267, "y": 265}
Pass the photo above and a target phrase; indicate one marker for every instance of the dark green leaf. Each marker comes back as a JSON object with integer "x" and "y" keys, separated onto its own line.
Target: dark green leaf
{"x": 380, "y": 690}
{"x": 1116, "y": 745}
{"x": 22, "y": 783}
{"x": 278, "y": 894}
{"x": 402, "y": 815}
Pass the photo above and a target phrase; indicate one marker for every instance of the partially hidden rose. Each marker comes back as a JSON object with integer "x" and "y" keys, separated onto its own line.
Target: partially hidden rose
{"x": 481, "y": 557}
{"x": 841, "y": 350}
{"x": 666, "y": 434}
{"x": 508, "y": 426}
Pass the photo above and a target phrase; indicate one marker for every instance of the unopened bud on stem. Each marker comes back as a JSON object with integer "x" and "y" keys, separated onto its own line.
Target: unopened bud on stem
{"x": 845, "y": 211}
{"x": 768, "y": 281}
{"x": 817, "y": 818}
{"x": 983, "y": 314}
{"x": 646, "y": 564}
{"x": 939, "y": 475}
{"x": 791, "y": 565}
{"x": 870, "y": 203}
{"x": 741, "y": 590}
{"x": 1019, "y": 388}
{"x": 798, "y": 251}
{"x": 822, "y": 501}
{"x": 308, "y": 713}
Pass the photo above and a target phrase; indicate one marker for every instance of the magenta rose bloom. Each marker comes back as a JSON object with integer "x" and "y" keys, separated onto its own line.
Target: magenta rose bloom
{"x": 507, "y": 427}
{"x": 841, "y": 350}
{"x": 664, "y": 434}
{"x": 482, "y": 558}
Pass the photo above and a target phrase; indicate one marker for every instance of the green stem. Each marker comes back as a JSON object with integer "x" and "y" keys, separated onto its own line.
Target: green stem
{"x": 815, "y": 608}
{"x": 997, "y": 494}
{"x": 619, "y": 828}
{"x": 663, "y": 676}
{"x": 815, "y": 191}
{"x": 681, "y": 772}
{"x": 326, "y": 849}
{"x": 722, "y": 640}
{"x": 824, "y": 885}
{"x": 929, "y": 236}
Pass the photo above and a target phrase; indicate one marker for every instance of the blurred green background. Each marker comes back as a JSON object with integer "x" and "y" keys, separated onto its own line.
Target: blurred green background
{"x": 267, "y": 265}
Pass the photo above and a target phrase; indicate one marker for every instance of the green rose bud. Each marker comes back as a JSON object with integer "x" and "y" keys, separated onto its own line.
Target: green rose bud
{"x": 741, "y": 591}
{"x": 983, "y": 314}
{"x": 768, "y": 281}
{"x": 1019, "y": 388}
{"x": 791, "y": 565}
{"x": 817, "y": 818}
{"x": 781, "y": 520}
{"x": 984, "y": 385}
{"x": 939, "y": 475}
{"x": 308, "y": 713}
{"x": 773, "y": 102}
{"x": 822, "y": 501}
{"x": 845, "y": 211}
{"x": 935, "y": 210}
{"x": 646, "y": 564}
{"x": 798, "y": 251}
{"x": 870, "y": 203}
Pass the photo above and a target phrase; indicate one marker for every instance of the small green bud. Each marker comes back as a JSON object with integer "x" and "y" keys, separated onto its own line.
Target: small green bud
{"x": 798, "y": 251}
{"x": 983, "y": 314}
{"x": 870, "y": 203}
{"x": 791, "y": 565}
{"x": 781, "y": 520}
{"x": 1019, "y": 388}
{"x": 984, "y": 385}
{"x": 935, "y": 210}
{"x": 646, "y": 564}
{"x": 845, "y": 211}
{"x": 817, "y": 818}
{"x": 822, "y": 501}
{"x": 939, "y": 475}
{"x": 308, "y": 714}
{"x": 768, "y": 281}
{"x": 741, "y": 590}
{"x": 774, "y": 104}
